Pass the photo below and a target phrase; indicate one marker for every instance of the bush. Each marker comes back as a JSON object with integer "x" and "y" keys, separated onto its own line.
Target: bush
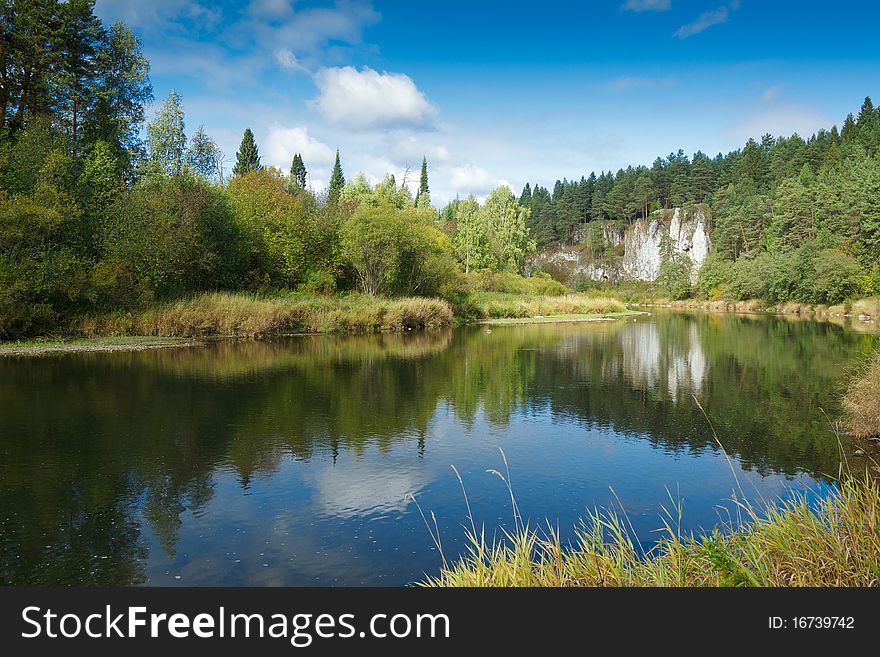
{"x": 748, "y": 278}
{"x": 540, "y": 283}
{"x": 287, "y": 236}
{"x": 399, "y": 252}
{"x": 835, "y": 276}
{"x": 169, "y": 236}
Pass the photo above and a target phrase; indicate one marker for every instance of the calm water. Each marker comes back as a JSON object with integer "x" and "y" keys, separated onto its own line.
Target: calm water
{"x": 288, "y": 462}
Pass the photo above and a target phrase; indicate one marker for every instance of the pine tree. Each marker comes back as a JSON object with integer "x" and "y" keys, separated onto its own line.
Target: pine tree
{"x": 337, "y": 179}
{"x": 248, "y": 157}
{"x": 423, "y": 196}
{"x": 866, "y": 113}
{"x": 298, "y": 173}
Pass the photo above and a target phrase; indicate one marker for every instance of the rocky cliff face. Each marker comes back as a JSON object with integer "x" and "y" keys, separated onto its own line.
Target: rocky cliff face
{"x": 642, "y": 242}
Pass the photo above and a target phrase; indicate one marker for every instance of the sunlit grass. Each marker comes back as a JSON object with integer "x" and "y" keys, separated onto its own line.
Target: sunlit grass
{"x": 497, "y": 305}
{"x": 251, "y": 315}
{"x": 862, "y": 401}
{"x": 798, "y": 542}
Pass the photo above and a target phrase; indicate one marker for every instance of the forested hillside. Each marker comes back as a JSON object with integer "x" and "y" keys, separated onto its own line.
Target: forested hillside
{"x": 794, "y": 218}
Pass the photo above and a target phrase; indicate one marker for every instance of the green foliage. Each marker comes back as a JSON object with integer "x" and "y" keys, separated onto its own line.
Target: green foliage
{"x": 540, "y": 284}
{"x": 168, "y": 236}
{"x": 399, "y": 251}
{"x": 748, "y": 278}
{"x": 492, "y": 236}
{"x": 286, "y": 236}
{"x": 166, "y": 137}
{"x": 298, "y": 173}
{"x": 675, "y": 270}
{"x": 203, "y": 155}
{"x": 713, "y": 276}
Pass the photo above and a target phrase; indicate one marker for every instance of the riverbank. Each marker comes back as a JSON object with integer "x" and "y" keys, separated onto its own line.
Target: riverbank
{"x": 834, "y": 542}
{"x": 58, "y": 346}
{"x": 866, "y": 310}
{"x": 555, "y": 319}
{"x": 242, "y": 315}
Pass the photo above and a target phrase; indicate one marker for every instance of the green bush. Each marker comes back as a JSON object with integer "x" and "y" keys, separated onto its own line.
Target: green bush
{"x": 170, "y": 235}
{"x": 399, "y": 252}
{"x": 713, "y": 277}
{"x": 540, "y": 283}
{"x": 748, "y": 278}
{"x": 836, "y": 276}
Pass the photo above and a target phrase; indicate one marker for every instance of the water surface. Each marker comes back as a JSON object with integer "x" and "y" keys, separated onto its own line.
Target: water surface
{"x": 289, "y": 462}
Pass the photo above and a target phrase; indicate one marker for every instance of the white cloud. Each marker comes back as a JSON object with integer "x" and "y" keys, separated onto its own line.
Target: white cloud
{"x": 288, "y": 61}
{"x": 156, "y": 13}
{"x": 772, "y": 93}
{"x": 367, "y": 98}
{"x": 409, "y": 151}
{"x": 706, "y": 20}
{"x": 646, "y": 5}
{"x": 308, "y": 29}
{"x": 282, "y": 143}
{"x": 272, "y": 9}
{"x": 471, "y": 179}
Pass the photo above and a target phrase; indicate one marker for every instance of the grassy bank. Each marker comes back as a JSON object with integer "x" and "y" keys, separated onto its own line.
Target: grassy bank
{"x": 867, "y": 308}
{"x": 834, "y": 542}
{"x": 862, "y": 401}
{"x": 249, "y": 315}
{"x": 498, "y": 305}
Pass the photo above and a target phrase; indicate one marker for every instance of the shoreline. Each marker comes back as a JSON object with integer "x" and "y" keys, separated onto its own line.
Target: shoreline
{"x": 95, "y": 345}
{"x": 559, "y": 319}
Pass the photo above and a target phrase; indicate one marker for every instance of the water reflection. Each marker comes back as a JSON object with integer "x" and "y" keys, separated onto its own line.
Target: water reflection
{"x": 287, "y": 462}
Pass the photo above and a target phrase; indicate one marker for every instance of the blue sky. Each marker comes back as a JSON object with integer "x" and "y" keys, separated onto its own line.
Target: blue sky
{"x": 504, "y": 92}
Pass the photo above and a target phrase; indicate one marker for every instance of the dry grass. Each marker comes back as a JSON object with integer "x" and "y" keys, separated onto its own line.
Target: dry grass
{"x": 833, "y": 542}
{"x": 497, "y": 305}
{"x": 246, "y": 315}
{"x": 861, "y": 403}
{"x": 868, "y": 307}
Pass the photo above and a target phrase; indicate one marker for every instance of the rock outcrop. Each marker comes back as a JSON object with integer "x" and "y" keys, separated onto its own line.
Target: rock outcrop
{"x": 686, "y": 229}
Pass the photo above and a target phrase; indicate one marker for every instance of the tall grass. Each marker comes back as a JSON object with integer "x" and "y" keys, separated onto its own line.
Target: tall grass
{"x": 861, "y": 403}
{"x": 249, "y": 315}
{"x": 496, "y": 305}
{"x": 799, "y": 542}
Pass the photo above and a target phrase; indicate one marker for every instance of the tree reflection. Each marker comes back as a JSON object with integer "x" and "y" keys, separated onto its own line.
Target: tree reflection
{"x": 96, "y": 444}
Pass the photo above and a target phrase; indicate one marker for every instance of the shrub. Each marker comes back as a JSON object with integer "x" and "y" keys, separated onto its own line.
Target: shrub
{"x": 398, "y": 252}
{"x": 748, "y": 278}
{"x": 288, "y": 237}
{"x": 170, "y": 235}
{"x": 835, "y": 276}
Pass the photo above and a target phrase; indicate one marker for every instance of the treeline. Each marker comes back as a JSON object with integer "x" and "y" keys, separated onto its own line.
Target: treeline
{"x": 99, "y": 212}
{"x": 793, "y": 219}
